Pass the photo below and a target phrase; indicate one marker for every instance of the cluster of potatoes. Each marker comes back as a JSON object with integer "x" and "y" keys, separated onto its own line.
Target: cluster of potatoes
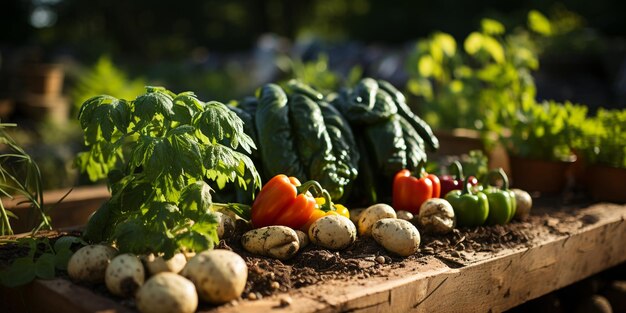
{"x": 395, "y": 231}
{"x": 175, "y": 285}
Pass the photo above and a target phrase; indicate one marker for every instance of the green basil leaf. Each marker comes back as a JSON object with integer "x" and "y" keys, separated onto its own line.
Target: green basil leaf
{"x": 61, "y": 259}
{"x": 45, "y": 265}
{"x": 20, "y": 272}
{"x": 66, "y": 242}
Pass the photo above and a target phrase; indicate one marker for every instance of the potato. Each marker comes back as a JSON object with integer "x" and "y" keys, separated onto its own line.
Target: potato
{"x": 156, "y": 264}
{"x": 124, "y": 275}
{"x": 167, "y": 292}
{"x": 524, "y": 203}
{"x": 405, "y": 215}
{"x": 89, "y": 263}
{"x": 280, "y": 242}
{"x": 436, "y": 216}
{"x": 303, "y": 239}
{"x": 355, "y": 214}
{"x": 397, "y": 236}
{"x": 225, "y": 225}
{"x": 372, "y": 214}
{"x": 334, "y": 232}
{"x": 219, "y": 275}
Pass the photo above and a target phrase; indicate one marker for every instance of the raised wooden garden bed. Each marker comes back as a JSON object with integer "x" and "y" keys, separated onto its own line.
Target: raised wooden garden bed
{"x": 555, "y": 248}
{"x": 72, "y": 211}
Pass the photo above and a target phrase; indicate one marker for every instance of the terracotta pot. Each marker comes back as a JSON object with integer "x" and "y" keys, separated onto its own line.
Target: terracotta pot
{"x": 458, "y": 141}
{"x": 6, "y": 108}
{"x": 461, "y": 141}
{"x": 606, "y": 183}
{"x": 535, "y": 175}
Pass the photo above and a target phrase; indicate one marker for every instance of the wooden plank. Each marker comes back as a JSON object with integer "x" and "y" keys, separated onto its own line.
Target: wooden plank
{"x": 72, "y": 211}
{"x": 56, "y": 295}
{"x": 487, "y": 284}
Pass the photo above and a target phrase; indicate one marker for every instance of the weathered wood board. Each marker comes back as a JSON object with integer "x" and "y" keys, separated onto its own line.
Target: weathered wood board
{"x": 72, "y": 211}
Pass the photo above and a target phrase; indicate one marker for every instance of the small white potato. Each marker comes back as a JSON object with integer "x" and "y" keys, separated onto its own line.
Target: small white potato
{"x": 355, "y": 214}
{"x": 167, "y": 292}
{"x": 436, "y": 216}
{"x": 124, "y": 275}
{"x": 303, "y": 239}
{"x": 157, "y": 264}
{"x": 219, "y": 275}
{"x": 524, "y": 203}
{"x": 397, "y": 236}
{"x": 334, "y": 232}
{"x": 225, "y": 225}
{"x": 372, "y": 214}
{"x": 405, "y": 215}
{"x": 89, "y": 263}
{"x": 280, "y": 242}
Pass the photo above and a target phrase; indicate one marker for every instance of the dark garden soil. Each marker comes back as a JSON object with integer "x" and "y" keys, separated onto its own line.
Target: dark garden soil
{"x": 365, "y": 259}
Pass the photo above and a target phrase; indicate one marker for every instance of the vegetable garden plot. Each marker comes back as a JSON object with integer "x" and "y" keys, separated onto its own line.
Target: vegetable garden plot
{"x": 504, "y": 265}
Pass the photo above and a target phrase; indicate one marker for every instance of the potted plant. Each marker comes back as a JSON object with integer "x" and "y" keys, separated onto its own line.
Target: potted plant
{"x": 468, "y": 92}
{"x": 604, "y": 152}
{"x": 540, "y": 144}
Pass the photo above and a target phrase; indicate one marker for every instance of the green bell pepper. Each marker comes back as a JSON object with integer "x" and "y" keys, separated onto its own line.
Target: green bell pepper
{"x": 502, "y": 205}
{"x": 470, "y": 209}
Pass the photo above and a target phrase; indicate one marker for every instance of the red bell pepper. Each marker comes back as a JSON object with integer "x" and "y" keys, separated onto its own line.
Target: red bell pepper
{"x": 410, "y": 192}
{"x": 284, "y": 201}
{"x": 455, "y": 180}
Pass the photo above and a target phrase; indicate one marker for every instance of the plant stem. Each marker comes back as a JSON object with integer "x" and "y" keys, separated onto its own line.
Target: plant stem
{"x": 241, "y": 210}
{"x": 5, "y": 221}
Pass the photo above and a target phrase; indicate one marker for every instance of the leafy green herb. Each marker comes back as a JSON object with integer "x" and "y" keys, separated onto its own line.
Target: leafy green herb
{"x": 547, "y": 130}
{"x": 475, "y": 163}
{"x": 159, "y": 153}
{"x": 42, "y": 260}
{"x": 104, "y": 78}
{"x": 603, "y": 137}
{"x": 477, "y": 83}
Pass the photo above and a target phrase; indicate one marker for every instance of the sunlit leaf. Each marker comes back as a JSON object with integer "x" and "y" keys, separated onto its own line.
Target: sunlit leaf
{"x": 473, "y": 43}
{"x": 494, "y": 48}
{"x": 217, "y": 122}
{"x": 491, "y": 27}
{"x": 196, "y": 197}
{"x": 425, "y": 66}
{"x": 446, "y": 43}
{"x": 154, "y": 102}
{"x": 103, "y": 116}
{"x": 539, "y": 23}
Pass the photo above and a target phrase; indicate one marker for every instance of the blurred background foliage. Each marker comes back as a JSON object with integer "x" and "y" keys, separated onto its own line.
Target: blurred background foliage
{"x": 213, "y": 45}
{"x": 463, "y": 63}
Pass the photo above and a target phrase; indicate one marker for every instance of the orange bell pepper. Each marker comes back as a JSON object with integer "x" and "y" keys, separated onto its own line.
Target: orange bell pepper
{"x": 283, "y": 201}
